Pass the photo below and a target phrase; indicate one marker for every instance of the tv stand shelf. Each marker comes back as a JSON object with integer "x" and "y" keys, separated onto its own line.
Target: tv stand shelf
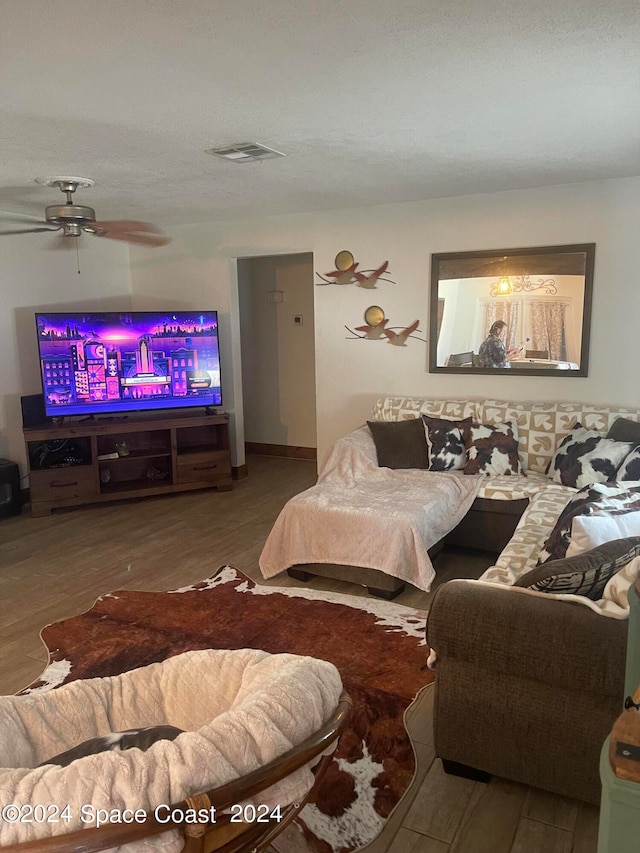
{"x": 156, "y": 455}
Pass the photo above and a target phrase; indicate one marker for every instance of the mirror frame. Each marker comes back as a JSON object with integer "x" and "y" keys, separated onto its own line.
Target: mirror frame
{"x": 499, "y": 255}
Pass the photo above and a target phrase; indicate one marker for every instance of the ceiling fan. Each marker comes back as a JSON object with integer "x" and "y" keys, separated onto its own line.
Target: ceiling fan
{"x": 72, "y": 219}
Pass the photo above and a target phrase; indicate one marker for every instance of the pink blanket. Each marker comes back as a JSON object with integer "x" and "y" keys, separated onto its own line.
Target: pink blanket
{"x": 362, "y": 515}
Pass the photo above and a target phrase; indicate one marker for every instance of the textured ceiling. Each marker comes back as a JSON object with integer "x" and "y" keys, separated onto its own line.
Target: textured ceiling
{"x": 373, "y": 101}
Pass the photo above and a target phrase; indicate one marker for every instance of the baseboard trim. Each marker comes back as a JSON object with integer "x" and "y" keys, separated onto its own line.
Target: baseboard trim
{"x": 281, "y": 450}
{"x": 239, "y": 472}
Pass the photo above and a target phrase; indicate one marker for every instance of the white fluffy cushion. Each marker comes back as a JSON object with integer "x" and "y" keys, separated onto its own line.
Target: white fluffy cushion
{"x": 239, "y": 710}
{"x": 589, "y": 531}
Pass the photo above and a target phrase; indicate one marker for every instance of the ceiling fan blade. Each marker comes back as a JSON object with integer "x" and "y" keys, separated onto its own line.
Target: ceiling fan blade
{"x": 28, "y": 230}
{"x": 22, "y": 217}
{"x": 142, "y": 239}
{"x": 131, "y": 231}
{"x": 126, "y": 225}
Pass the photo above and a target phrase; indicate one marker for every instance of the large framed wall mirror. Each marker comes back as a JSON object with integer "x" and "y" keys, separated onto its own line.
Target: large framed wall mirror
{"x": 512, "y": 311}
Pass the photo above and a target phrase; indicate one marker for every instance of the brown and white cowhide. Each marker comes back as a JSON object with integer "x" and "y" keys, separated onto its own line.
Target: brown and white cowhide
{"x": 492, "y": 449}
{"x": 377, "y": 646}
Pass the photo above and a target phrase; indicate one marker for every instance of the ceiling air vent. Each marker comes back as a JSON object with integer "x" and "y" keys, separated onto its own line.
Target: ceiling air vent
{"x": 245, "y": 152}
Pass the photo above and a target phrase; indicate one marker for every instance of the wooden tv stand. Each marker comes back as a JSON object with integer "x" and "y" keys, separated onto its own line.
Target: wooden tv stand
{"x": 157, "y": 455}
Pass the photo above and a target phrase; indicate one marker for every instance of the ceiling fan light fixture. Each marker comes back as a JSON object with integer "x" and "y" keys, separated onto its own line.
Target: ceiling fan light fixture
{"x": 71, "y": 229}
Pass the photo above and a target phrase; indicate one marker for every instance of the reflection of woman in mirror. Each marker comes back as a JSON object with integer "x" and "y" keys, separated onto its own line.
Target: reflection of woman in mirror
{"x": 493, "y": 352}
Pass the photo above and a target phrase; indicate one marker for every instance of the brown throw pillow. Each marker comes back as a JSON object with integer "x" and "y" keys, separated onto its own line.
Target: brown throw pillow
{"x": 400, "y": 444}
{"x": 585, "y": 574}
{"x": 445, "y": 441}
{"x": 624, "y": 429}
{"x": 492, "y": 449}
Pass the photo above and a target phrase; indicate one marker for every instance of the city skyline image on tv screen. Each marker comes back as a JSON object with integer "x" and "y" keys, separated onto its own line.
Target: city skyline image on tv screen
{"x": 93, "y": 363}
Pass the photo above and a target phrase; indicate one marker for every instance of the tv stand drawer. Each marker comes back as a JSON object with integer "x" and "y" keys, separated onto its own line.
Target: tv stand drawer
{"x": 76, "y": 481}
{"x": 167, "y": 453}
{"x": 206, "y": 467}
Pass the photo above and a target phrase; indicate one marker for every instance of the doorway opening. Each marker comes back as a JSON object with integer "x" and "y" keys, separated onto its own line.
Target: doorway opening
{"x": 276, "y": 315}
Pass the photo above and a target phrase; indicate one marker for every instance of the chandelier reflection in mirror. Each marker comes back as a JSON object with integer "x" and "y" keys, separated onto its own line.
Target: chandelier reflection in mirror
{"x": 506, "y": 285}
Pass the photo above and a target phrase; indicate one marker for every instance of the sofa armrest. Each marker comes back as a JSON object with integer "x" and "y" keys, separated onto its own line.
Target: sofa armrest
{"x": 510, "y": 633}
{"x": 351, "y": 456}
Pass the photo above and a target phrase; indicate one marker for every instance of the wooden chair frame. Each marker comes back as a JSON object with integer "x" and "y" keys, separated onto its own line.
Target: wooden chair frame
{"x": 536, "y": 353}
{"x": 458, "y": 359}
{"x": 255, "y": 837}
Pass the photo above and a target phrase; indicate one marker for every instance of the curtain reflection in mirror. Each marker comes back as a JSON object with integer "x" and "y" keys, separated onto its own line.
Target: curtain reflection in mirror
{"x": 550, "y": 324}
{"x": 548, "y": 329}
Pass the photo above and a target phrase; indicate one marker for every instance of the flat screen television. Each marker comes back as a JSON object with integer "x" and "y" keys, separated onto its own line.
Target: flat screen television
{"x": 95, "y": 363}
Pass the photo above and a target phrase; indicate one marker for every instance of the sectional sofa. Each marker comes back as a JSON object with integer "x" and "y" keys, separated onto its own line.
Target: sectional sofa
{"x": 527, "y": 687}
{"x": 351, "y": 476}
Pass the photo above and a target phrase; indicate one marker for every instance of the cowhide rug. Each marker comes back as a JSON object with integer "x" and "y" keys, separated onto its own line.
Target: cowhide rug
{"x": 378, "y": 648}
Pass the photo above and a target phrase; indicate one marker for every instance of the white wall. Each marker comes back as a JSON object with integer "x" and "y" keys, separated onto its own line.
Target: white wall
{"x": 32, "y": 278}
{"x": 278, "y": 357}
{"x": 196, "y": 270}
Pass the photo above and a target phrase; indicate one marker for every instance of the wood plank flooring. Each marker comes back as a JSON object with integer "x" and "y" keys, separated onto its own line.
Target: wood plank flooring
{"x": 57, "y": 566}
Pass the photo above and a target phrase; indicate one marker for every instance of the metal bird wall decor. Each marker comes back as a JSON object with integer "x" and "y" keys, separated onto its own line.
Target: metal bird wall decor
{"x": 346, "y": 272}
{"x": 375, "y": 329}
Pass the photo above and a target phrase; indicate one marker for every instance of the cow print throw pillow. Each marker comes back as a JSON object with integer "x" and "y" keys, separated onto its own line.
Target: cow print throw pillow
{"x": 492, "y": 449}
{"x": 585, "y": 574}
{"x": 445, "y": 440}
{"x": 130, "y": 739}
{"x": 584, "y": 457}
{"x": 630, "y": 468}
{"x": 596, "y": 499}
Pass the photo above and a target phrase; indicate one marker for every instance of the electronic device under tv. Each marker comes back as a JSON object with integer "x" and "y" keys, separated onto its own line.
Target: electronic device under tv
{"x": 95, "y": 363}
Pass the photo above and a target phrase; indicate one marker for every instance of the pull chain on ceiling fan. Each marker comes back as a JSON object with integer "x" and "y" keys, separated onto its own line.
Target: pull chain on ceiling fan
{"x": 72, "y": 219}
